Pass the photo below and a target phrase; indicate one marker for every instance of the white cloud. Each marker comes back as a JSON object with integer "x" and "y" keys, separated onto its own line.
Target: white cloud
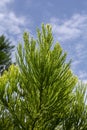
{"x": 69, "y": 29}
{"x": 3, "y": 5}
{"x": 4, "y": 2}
{"x": 10, "y": 24}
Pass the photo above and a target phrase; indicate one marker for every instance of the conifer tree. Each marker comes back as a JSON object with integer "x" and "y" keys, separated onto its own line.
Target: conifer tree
{"x": 77, "y": 111}
{"x": 5, "y": 53}
{"x": 36, "y": 93}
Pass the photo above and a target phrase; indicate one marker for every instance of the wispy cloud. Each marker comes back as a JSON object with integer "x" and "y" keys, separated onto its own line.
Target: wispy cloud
{"x": 3, "y": 5}
{"x": 10, "y": 23}
{"x": 69, "y": 29}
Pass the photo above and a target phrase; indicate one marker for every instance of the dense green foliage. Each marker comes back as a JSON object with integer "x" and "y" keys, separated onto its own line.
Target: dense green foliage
{"x": 77, "y": 110}
{"x": 40, "y": 92}
{"x": 5, "y": 53}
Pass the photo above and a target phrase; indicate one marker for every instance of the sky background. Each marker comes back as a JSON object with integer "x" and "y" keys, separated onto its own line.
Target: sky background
{"x": 67, "y": 17}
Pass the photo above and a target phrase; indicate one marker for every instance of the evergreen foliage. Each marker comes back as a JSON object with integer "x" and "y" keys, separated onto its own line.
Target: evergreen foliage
{"x": 77, "y": 111}
{"x": 39, "y": 93}
{"x": 5, "y": 52}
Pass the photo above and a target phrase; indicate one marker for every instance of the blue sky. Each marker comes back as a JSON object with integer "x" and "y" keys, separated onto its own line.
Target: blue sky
{"x": 67, "y": 17}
